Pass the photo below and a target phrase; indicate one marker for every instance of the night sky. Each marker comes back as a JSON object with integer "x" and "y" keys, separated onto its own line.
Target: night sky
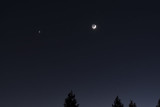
{"x": 48, "y": 48}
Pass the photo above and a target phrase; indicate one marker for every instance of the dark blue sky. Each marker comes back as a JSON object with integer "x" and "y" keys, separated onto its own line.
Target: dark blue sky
{"x": 121, "y": 57}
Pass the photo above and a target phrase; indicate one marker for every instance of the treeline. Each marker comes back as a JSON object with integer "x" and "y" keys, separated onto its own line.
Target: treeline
{"x": 70, "y": 101}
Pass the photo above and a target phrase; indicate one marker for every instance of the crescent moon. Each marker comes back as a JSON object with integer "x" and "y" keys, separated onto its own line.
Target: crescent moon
{"x": 94, "y": 26}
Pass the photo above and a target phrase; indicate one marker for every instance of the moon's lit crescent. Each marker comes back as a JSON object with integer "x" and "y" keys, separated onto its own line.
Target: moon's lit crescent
{"x": 94, "y": 26}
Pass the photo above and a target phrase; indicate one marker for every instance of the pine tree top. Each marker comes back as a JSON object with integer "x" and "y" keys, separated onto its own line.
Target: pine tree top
{"x": 117, "y": 102}
{"x": 70, "y": 101}
{"x": 132, "y": 104}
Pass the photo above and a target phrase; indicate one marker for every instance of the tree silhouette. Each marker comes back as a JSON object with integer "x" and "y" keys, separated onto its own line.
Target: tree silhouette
{"x": 117, "y": 103}
{"x": 132, "y": 104}
{"x": 158, "y": 105}
{"x": 70, "y": 101}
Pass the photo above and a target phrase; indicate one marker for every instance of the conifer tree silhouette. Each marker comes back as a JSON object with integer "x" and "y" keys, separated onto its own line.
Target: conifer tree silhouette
{"x": 158, "y": 105}
{"x": 117, "y": 103}
{"x": 70, "y": 101}
{"x": 132, "y": 104}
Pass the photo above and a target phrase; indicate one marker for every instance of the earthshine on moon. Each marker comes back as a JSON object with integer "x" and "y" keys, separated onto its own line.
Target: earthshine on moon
{"x": 94, "y": 26}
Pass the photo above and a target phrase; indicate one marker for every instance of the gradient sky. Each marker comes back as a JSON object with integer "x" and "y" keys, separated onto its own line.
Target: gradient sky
{"x": 121, "y": 57}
